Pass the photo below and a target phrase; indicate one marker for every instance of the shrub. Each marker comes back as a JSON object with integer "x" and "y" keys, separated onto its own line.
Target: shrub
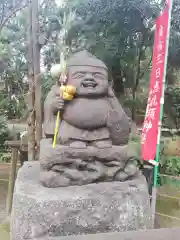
{"x": 13, "y": 108}
{"x": 5, "y": 157}
{"x": 172, "y": 106}
{"x": 4, "y": 133}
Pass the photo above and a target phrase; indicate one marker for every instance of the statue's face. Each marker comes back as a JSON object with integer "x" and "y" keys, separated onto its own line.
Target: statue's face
{"x": 89, "y": 81}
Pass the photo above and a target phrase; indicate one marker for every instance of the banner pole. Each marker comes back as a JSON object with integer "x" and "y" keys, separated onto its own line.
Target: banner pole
{"x": 155, "y": 177}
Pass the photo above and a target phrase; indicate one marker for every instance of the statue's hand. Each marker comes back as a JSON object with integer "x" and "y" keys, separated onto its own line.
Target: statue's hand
{"x": 57, "y": 104}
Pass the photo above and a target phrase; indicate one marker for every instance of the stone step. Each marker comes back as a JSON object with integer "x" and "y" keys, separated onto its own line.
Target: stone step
{"x": 155, "y": 234}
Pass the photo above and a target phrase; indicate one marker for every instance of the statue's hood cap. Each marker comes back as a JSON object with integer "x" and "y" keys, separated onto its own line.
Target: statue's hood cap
{"x": 84, "y": 58}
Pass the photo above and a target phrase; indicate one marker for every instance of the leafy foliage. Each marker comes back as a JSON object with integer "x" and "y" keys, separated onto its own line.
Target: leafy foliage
{"x": 110, "y": 34}
{"x": 172, "y": 105}
{"x": 118, "y": 32}
{"x": 171, "y": 165}
{"x": 174, "y": 50}
{"x": 4, "y": 133}
{"x": 46, "y": 82}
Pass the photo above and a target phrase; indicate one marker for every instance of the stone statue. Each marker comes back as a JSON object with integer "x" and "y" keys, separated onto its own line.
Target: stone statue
{"x": 97, "y": 186}
{"x": 92, "y": 141}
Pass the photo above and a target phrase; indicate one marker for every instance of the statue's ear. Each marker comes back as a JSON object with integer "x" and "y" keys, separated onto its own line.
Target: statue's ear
{"x": 111, "y": 93}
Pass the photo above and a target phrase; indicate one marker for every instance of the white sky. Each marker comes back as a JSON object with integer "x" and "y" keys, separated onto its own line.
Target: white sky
{"x": 60, "y": 2}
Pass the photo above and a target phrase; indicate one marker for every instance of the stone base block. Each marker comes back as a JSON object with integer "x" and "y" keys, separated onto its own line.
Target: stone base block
{"x": 45, "y": 213}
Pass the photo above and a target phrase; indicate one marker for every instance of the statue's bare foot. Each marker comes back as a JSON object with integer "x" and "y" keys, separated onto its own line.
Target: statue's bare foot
{"x": 78, "y": 144}
{"x": 102, "y": 144}
{"x": 121, "y": 176}
{"x": 131, "y": 170}
{"x": 53, "y": 179}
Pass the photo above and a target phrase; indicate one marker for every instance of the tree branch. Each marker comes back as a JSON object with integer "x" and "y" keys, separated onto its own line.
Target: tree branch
{"x": 10, "y": 16}
{"x": 2, "y": 14}
{"x": 142, "y": 74}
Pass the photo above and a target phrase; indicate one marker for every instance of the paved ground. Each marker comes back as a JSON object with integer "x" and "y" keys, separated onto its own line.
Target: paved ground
{"x": 4, "y": 173}
{"x": 4, "y": 232}
{"x": 168, "y": 204}
{"x": 3, "y": 195}
{"x": 4, "y": 176}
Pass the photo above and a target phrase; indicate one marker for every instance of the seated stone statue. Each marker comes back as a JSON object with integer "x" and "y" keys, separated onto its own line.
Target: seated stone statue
{"x": 92, "y": 141}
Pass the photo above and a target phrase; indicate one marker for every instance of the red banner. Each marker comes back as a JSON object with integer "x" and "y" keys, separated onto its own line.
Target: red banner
{"x": 150, "y": 126}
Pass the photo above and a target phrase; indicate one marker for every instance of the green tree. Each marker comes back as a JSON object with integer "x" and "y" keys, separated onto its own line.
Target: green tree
{"x": 119, "y": 32}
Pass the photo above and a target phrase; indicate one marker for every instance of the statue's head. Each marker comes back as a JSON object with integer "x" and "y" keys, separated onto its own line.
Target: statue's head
{"x": 88, "y": 74}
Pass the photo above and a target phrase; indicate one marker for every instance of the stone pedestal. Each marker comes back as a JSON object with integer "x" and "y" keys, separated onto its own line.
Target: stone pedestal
{"x": 44, "y": 213}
